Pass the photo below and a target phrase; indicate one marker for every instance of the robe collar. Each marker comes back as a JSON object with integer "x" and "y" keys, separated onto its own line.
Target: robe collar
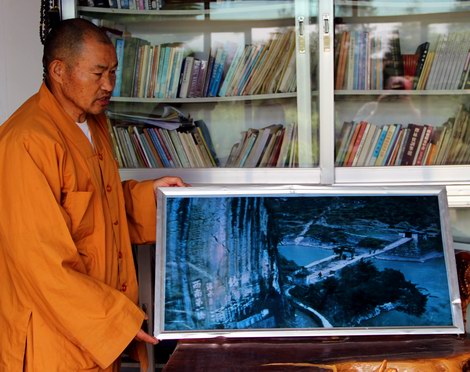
{"x": 67, "y": 126}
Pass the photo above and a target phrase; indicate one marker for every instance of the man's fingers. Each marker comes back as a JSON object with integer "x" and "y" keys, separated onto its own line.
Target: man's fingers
{"x": 145, "y": 337}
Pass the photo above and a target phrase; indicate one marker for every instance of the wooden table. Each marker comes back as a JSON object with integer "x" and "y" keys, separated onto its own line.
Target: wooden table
{"x": 364, "y": 354}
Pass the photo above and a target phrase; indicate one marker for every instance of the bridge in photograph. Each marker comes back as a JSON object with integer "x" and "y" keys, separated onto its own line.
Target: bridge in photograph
{"x": 329, "y": 266}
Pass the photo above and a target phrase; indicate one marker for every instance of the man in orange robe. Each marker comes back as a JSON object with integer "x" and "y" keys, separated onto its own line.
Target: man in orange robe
{"x": 68, "y": 288}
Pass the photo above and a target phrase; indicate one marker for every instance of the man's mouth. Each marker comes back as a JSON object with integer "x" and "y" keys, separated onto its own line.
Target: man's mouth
{"x": 104, "y": 100}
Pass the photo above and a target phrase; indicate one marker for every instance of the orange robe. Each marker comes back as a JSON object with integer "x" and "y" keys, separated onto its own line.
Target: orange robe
{"x": 68, "y": 288}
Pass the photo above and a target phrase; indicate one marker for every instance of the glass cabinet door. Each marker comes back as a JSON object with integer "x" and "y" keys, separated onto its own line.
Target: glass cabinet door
{"x": 214, "y": 85}
{"x": 402, "y": 83}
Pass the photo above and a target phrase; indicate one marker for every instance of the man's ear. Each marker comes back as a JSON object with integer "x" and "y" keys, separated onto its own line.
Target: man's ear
{"x": 57, "y": 70}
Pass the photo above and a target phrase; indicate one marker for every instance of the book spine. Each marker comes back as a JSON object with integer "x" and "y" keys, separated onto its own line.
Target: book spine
{"x": 424, "y": 145}
{"x": 410, "y": 147}
{"x": 378, "y": 147}
{"x": 120, "y": 58}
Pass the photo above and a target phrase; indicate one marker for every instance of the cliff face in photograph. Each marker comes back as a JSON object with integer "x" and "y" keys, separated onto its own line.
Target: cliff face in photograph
{"x": 228, "y": 266}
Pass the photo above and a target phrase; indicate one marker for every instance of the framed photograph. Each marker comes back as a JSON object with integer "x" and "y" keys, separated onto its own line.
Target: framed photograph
{"x": 304, "y": 261}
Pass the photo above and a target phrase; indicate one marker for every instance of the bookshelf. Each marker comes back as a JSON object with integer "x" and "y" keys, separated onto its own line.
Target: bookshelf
{"x": 318, "y": 105}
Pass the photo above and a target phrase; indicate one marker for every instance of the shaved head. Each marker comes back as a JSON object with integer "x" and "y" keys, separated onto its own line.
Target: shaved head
{"x": 64, "y": 42}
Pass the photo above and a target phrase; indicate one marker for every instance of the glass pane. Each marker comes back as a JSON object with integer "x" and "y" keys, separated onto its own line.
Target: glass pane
{"x": 402, "y": 83}
{"x": 314, "y": 57}
{"x": 460, "y": 220}
{"x": 224, "y": 72}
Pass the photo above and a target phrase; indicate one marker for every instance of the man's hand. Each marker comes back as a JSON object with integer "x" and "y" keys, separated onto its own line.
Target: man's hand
{"x": 168, "y": 182}
{"x": 145, "y": 337}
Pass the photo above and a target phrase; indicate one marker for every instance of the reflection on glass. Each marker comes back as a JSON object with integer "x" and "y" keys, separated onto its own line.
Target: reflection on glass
{"x": 401, "y": 83}
{"x": 372, "y": 56}
{"x": 460, "y": 220}
{"x": 348, "y": 8}
{"x": 314, "y": 81}
{"x": 221, "y": 94}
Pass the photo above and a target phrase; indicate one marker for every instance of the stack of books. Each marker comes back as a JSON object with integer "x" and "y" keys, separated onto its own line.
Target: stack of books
{"x": 271, "y": 146}
{"x": 171, "y": 71}
{"x": 146, "y": 142}
{"x": 365, "y": 144}
{"x": 369, "y": 60}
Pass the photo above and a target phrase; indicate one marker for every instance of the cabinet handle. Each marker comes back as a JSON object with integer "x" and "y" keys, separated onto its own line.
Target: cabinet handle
{"x": 326, "y": 24}
{"x": 326, "y": 33}
{"x": 300, "y": 19}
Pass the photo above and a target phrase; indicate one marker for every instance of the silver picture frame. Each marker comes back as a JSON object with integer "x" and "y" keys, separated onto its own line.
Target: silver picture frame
{"x": 292, "y": 261}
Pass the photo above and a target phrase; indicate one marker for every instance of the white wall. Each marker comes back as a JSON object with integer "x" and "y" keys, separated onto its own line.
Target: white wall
{"x": 20, "y": 53}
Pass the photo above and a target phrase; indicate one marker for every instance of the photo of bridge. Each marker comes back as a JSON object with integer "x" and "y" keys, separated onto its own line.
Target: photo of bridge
{"x": 305, "y": 262}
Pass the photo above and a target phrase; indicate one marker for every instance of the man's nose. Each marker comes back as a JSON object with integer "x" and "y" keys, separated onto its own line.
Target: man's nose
{"x": 108, "y": 83}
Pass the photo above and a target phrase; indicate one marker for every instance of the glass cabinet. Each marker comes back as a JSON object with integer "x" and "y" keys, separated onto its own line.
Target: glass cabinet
{"x": 402, "y": 91}
{"x": 211, "y": 91}
{"x": 291, "y": 91}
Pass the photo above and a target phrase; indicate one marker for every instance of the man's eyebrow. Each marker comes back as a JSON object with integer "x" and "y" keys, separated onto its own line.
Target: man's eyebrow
{"x": 103, "y": 67}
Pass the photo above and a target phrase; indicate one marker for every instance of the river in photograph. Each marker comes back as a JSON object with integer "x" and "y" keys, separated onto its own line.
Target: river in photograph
{"x": 430, "y": 277}
{"x": 304, "y": 254}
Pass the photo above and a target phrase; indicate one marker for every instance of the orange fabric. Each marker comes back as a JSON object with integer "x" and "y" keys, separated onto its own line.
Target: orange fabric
{"x": 68, "y": 288}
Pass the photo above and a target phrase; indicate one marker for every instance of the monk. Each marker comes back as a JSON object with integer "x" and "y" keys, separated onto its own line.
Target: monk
{"x": 68, "y": 288}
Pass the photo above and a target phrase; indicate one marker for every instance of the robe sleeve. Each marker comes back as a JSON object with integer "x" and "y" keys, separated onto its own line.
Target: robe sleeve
{"x": 46, "y": 265}
{"x": 141, "y": 211}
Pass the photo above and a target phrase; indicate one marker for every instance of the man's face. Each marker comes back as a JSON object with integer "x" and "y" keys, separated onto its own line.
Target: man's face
{"x": 89, "y": 80}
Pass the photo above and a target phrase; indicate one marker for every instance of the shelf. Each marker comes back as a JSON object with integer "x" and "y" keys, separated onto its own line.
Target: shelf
{"x": 258, "y": 10}
{"x": 205, "y": 99}
{"x": 389, "y": 11}
{"x": 403, "y": 175}
{"x": 252, "y": 176}
{"x": 390, "y": 92}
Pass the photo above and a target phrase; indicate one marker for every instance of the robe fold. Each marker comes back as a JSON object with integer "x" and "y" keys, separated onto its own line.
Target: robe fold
{"x": 68, "y": 287}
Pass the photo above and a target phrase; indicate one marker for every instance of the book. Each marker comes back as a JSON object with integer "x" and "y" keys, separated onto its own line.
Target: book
{"x": 198, "y": 139}
{"x": 201, "y": 78}
{"x": 361, "y": 161}
{"x": 183, "y": 157}
{"x": 355, "y": 146}
{"x": 421, "y": 52}
{"x": 210, "y": 66}
{"x": 258, "y": 147}
{"x": 217, "y": 69}
{"x": 114, "y": 142}
{"x": 119, "y": 46}
{"x": 186, "y": 76}
{"x": 351, "y": 144}
{"x": 273, "y": 140}
{"x": 193, "y": 90}
{"x": 286, "y": 145}
{"x": 208, "y": 140}
{"x": 159, "y": 163}
{"x": 125, "y": 156}
{"x": 396, "y": 147}
{"x": 411, "y": 147}
{"x": 342, "y": 59}
{"x": 231, "y": 71}
{"x": 131, "y": 46}
{"x": 170, "y": 147}
{"x": 393, "y": 141}
{"x": 176, "y": 73}
{"x": 386, "y": 143}
{"x": 426, "y": 137}
{"x": 150, "y": 162}
{"x": 360, "y": 147}
{"x": 378, "y": 146}
{"x": 343, "y": 141}
{"x": 159, "y": 147}
{"x": 248, "y": 143}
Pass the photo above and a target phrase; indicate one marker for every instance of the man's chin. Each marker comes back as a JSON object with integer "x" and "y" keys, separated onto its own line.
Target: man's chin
{"x": 98, "y": 110}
